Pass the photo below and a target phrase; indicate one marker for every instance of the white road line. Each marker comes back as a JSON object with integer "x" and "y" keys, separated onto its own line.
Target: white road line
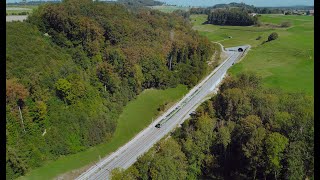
{"x": 128, "y": 154}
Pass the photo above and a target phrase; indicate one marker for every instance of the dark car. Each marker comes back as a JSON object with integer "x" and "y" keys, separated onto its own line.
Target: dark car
{"x": 193, "y": 113}
{"x": 158, "y": 126}
{"x": 240, "y": 50}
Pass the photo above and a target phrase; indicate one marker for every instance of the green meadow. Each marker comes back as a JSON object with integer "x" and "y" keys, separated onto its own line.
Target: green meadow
{"x": 286, "y": 63}
{"x": 136, "y": 116}
{"x": 27, "y": 9}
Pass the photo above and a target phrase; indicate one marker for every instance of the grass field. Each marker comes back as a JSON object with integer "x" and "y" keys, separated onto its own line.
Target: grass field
{"x": 169, "y": 9}
{"x": 286, "y": 63}
{"x": 136, "y": 116}
{"x": 14, "y": 9}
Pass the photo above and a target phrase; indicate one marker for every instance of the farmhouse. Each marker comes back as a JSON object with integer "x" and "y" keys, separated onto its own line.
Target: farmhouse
{"x": 311, "y": 12}
{"x": 252, "y": 14}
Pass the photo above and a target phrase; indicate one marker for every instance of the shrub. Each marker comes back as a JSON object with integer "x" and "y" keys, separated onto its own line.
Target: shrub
{"x": 288, "y": 13}
{"x": 285, "y": 24}
{"x": 23, "y": 13}
{"x": 258, "y": 24}
{"x": 273, "y": 36}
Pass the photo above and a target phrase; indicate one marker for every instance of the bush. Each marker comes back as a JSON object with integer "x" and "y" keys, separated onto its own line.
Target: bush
{"x": 285, "y": 24}
{"x": 273, "y": 36}
{"x": 23, "y": 13}
{"x": 258, "y": 24}
{"x": 288, "y": 13}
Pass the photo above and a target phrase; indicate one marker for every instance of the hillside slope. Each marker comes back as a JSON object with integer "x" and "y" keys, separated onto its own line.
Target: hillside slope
{"x": 73, "y": 67}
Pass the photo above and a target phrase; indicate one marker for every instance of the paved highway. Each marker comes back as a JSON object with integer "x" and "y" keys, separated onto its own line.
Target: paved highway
{"x": 128, "y": 154}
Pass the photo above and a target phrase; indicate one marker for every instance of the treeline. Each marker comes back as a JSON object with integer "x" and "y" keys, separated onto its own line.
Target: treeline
{"x": 241, "y": 7}
{"x": 233, "y": 17}
{"x": 244, "y": 132}
{"x": 72, "y": 67}
{"x": 141, "y": 2}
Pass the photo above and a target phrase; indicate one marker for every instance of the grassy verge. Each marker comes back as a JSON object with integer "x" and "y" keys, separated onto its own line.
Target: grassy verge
{"x": 136, "y": 116}
{"x": 286, "y": 63}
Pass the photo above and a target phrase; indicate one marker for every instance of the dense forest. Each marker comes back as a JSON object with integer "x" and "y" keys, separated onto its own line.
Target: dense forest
{"x": 244, "y": 132}
{"x": 240, "y": 6}
{"x": 233, "y": 17}
{"x": 73, "y": 66}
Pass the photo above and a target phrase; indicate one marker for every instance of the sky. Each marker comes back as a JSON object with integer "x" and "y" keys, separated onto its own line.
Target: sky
{"x": 257, "y": 3}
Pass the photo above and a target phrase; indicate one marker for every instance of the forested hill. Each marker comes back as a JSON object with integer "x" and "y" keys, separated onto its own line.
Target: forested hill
{"x": 73, "y": 66}
{"x": 141, "y": 2}
{"x": 242, "y": 7}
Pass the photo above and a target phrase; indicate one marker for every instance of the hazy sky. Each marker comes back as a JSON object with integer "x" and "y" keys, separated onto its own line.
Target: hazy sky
{"x": 250, "y": 2}
{"x": 213, "y": 2}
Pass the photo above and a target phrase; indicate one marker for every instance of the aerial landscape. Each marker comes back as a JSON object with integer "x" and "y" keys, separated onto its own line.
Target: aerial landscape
{"x": 144, "y": 89}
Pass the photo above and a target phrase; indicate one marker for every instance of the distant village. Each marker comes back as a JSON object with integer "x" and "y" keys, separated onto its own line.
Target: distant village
{"x": 293, "y": 12}
{"x": 300, "y": 12}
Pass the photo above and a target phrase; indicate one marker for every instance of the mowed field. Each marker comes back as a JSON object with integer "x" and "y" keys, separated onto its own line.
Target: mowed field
{"x": 286, "y": 63}
{"x": 137, "y": 115}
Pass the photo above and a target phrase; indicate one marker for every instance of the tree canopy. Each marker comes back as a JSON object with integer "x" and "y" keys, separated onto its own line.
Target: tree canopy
{"x": 233, "y": 17}
{"x": 74, "y": 82}
{"x": 222, "y": 141}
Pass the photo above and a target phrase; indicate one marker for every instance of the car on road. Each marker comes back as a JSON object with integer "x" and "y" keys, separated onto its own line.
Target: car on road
{"x": 193, "y": 113}
{"x": 158, "y": 125}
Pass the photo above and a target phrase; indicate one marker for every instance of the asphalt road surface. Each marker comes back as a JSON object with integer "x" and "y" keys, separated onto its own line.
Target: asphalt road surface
{"x": 128, "y": 154}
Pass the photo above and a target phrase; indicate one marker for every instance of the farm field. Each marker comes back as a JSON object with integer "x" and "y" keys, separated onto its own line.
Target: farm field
{"x": 136, "y": 116}
{"x": 15, "y": 9}
{"x": 286, "y": 63}
{"x": 169, "y": 9}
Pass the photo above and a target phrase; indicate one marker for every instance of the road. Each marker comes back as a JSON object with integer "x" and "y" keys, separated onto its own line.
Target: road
{"x": 128, "y": 154}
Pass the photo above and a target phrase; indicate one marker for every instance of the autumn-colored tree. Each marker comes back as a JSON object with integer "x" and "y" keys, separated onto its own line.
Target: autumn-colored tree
{"x": 15, "y": 91}
{"x": 106, "y": 75}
